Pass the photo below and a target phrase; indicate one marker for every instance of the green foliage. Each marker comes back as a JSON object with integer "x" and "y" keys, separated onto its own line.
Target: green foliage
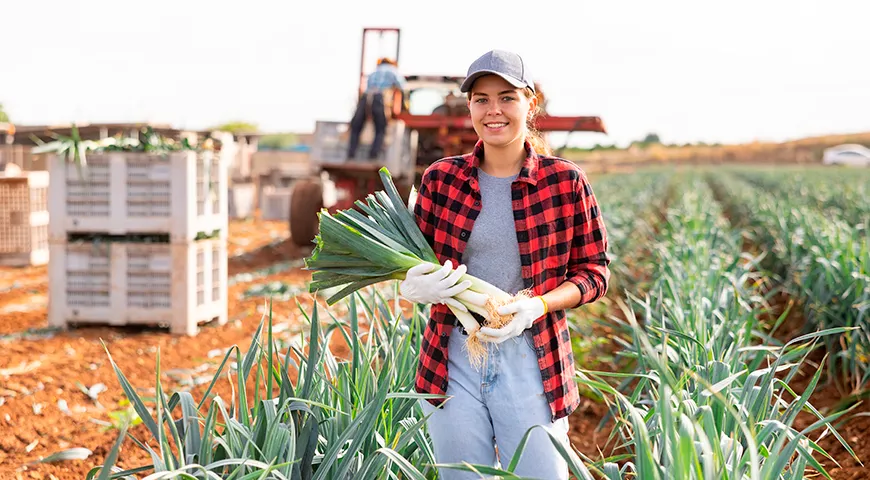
{"x": 648, "y": 140}
{"x": 236, "y": 127}
{"x": 278, "y": 141}
{"x": 708, "y": 394}
{"x": 651, "y": 138}
{"x": 4, "y": 117}
{"x": 74, "y": 148}
{"x": 338, "y": 418}
{"x": 124, "y": 415}
{"x": 815, "y": 236}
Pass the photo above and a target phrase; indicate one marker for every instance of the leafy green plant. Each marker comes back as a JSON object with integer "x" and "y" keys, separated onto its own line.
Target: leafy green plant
{"x": 4, "y": 117}
{"x": 73, "y": 149}
{"x": 708, "y": 397}
{"x": 677, "y": 424}
{"x": 125, "y": 415}
{"x": 821, "y": 260}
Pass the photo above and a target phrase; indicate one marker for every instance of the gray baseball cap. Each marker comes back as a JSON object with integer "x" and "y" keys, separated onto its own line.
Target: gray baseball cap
{"x": 507, "y": 65}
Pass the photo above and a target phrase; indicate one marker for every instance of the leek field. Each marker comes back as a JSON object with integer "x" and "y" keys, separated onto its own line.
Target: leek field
{"x": 734, "y": 343}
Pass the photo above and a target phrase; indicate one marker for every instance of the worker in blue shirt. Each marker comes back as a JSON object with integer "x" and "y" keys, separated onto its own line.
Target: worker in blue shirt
{"x": 386, "y": 76}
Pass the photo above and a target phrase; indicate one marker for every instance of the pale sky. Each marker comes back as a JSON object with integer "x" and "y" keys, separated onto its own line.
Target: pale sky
{"x": 729, "y": 71}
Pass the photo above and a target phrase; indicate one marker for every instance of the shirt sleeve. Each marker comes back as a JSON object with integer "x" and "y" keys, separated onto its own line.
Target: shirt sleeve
{"x": 399, "y": 79}
{"x": 588, "y": 265}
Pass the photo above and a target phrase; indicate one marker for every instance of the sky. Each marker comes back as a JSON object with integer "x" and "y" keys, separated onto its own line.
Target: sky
{"x": 728, "y": 71}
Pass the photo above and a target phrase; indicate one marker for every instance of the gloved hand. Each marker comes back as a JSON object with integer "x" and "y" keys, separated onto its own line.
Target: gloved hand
{"x": 422, "y": 285}
{"x": 525, "y": 312}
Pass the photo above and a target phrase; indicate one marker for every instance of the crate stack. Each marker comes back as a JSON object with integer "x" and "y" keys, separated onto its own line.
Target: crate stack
{"x": 24, "y": 219}
{"x": 276, "y": 203}
{"x": 139, "y": 238}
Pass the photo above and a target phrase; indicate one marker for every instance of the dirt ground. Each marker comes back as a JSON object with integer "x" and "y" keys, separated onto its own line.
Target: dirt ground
{"x": 43, "y": 408}
{"x": 45, "y": 373}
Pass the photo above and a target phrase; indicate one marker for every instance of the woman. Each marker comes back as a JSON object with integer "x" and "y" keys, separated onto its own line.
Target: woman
{"x": 510, "y": 214}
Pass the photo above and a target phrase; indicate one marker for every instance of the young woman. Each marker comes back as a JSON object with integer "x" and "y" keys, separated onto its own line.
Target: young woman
{"x": 511, "y": 214}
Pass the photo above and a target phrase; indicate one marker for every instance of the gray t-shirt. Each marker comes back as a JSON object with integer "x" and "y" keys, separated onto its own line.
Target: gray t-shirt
{"x": 492, "y": 252}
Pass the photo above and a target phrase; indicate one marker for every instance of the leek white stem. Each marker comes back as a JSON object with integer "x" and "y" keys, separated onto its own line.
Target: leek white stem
{"x": 486, "y": 288}
{"x": 466, "y": 320}
{"x": 474, "y": 301}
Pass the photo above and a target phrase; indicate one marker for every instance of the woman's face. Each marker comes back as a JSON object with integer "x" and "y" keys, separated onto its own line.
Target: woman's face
{"x": 499, "y": 111}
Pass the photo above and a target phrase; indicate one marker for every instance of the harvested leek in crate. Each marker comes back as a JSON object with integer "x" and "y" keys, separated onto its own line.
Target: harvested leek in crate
{"x": 381, "y": 243}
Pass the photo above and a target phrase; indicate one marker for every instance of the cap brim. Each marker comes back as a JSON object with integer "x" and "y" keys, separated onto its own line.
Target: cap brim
{"x": 469, "y": 81}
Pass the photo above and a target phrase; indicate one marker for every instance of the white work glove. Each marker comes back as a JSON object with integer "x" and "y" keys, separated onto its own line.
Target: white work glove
{"x": 439, "y": 286}
{"x": 525, "y": 312}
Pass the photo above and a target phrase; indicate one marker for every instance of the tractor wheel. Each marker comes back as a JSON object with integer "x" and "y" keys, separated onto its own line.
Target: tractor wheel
{"x": 305, "y": 202}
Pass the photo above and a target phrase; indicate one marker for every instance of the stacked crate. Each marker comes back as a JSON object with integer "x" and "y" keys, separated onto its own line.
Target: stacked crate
{"x": 24, "y": 219}
{"x": 139, "y": 238}
{"x": 276, "y": 203}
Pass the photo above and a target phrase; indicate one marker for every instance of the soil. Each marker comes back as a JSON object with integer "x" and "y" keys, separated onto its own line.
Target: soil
{"x": 43, "y": 409}
{"x": 828, "y": 397}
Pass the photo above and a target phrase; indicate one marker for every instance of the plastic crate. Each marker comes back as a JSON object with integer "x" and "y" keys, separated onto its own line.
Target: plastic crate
{"x": 125, "y": 283}
{"x": 24, "y": 219}
{"x": 276, "y": 203}
{"x": 241, "y": 200}
{"x": 182, "y": 194}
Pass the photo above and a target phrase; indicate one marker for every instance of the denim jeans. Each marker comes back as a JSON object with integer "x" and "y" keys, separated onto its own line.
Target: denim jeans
{"x": 371, "y": 104}
{"x": 490, "y": 411}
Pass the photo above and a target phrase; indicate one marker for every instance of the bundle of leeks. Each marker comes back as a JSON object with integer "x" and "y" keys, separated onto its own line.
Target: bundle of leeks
{"x": 381, "y": 242}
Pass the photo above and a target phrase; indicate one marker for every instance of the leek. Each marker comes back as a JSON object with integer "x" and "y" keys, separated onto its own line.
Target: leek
{"x": 380, "y": 242}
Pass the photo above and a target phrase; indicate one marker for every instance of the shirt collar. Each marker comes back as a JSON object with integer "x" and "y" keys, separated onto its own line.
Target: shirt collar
{"x": 528, "y": 172}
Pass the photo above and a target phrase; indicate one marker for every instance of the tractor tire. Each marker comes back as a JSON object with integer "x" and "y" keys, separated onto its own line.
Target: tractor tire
{"x": 305, "y": 202}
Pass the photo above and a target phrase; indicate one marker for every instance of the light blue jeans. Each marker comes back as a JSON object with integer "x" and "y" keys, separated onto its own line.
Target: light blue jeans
{"x": 491, "y": 410}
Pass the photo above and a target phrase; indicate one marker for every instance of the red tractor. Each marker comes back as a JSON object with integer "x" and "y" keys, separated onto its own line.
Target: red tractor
{"x": 417, "y": 135}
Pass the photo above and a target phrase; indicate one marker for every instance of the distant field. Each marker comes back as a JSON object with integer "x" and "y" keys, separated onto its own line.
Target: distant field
{"x": 803, "y": 151}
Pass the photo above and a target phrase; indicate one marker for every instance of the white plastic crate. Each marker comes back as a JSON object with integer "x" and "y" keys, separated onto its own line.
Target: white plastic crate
{"x": 24, "y": 219}
{"x": 241, "y": 200}
{"x": 175, "y": 285}
{"x": 181, "y": 194}
{"x": 276, "y": 203}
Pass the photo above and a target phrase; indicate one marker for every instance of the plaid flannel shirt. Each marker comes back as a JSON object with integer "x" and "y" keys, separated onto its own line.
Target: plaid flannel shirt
{"x": 561, "y": 237}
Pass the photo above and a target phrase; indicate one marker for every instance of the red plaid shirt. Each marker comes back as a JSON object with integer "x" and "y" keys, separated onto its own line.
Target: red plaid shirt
{"x": 561, "y": 237}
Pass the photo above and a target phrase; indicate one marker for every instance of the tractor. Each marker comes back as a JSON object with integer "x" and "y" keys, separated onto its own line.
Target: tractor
{"x": 417, "y": 135}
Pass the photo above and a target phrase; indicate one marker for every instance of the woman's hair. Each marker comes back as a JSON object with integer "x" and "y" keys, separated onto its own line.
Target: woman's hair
{"x": 532, "y": 135}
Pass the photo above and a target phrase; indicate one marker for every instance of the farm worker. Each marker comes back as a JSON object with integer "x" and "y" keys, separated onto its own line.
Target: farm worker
{"x": 513, "y": 215}
{"x": 385, "y": 76}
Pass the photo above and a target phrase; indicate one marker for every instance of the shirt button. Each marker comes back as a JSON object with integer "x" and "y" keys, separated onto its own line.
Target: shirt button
{"x": 463, "y": 234}
{"x": 476, "y": 204}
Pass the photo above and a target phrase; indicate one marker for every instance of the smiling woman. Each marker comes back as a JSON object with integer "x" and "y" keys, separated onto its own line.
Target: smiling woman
{"x": 504, "y": 115}
{"x": 524, "y": 221}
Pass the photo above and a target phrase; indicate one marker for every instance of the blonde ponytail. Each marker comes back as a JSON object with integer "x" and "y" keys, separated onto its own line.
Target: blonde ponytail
{"x": 532, "y": 135}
